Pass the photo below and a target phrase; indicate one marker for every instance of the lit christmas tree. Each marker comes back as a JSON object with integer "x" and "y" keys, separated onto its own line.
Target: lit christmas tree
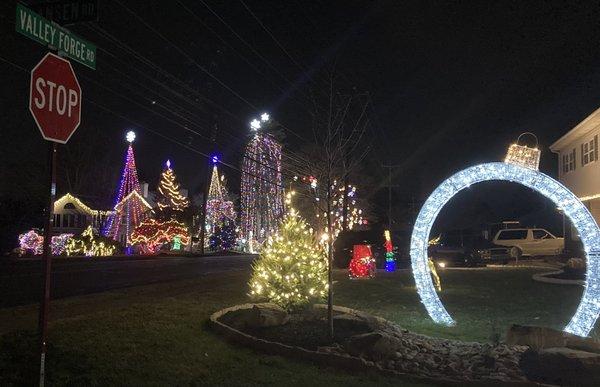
{"x": 292, "y": 268}
{"x": 153, "y": 234}
{"x": 130, "y": 206}
{"x": 261, "y": 190}
{"x": 219, "y": 210}
{"x": 224, "y": 236}
{"x": 171, "y": 203}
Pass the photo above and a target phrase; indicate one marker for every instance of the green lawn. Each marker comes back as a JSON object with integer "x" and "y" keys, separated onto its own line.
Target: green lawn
{"x": 157, "y": 334}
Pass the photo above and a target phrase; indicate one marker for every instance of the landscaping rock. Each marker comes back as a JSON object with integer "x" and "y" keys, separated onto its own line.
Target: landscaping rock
{"x": 346, "y": 325}
{"x": 375, "y": 345}
{"x": 541, "y": 337}
{"x": 562, "y": 366}
{"x": 535, "y": 337}
{"x": 264, "y": 315}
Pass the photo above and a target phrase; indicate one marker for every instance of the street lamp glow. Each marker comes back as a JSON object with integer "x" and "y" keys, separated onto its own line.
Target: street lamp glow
{"x": 130, "y": 136}
{"x": 264, "y": 117}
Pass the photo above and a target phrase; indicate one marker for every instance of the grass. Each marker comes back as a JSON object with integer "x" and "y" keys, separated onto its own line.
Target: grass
{"x": 157, "y": 334}
{"x": 153, "y": 335}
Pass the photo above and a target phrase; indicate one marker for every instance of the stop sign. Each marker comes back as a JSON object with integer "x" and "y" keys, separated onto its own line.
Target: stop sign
{"x": 55, "y": 98}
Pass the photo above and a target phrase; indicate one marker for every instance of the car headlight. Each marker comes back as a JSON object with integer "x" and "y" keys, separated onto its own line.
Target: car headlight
{"x": 442, "y": 264}
{"x": 484, "y": 253}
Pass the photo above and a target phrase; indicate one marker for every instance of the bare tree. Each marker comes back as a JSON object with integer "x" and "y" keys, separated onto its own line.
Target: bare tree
{"x": 339, "y": 123}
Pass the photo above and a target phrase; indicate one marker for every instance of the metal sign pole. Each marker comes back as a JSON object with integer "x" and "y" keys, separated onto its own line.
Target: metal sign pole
{"x": 47, "y": 259}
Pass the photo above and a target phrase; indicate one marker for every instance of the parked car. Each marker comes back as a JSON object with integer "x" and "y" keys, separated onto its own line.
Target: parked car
{"x": 529, "y": 241}
{"x": 466, "y": 248}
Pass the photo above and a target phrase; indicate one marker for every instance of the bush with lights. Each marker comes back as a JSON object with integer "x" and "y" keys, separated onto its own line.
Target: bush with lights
{"x": 152, "y": 234}
{"x": 90, "y": 244}
{"x": 292, "y": 268}
{"x": 32, "y": 243}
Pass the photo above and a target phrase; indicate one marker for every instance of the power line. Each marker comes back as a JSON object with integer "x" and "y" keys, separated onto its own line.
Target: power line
{"x": 202, "y": 68}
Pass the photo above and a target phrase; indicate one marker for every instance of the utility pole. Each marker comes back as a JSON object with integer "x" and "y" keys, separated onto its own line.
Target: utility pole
{"x": 389, "y": 186}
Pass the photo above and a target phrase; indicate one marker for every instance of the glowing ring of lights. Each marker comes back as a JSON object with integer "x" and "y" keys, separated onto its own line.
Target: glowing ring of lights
{"x": 589, "y": 308}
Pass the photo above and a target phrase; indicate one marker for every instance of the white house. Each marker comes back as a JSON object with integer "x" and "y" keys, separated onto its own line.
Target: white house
{"x": 72, "y": 216}
{"x": 579, "y": 169}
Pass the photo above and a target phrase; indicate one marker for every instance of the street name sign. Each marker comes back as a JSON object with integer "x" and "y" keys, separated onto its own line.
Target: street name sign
{"x": 54, "y": 36}
{"x": 68, "y": 11}
{"x": 55, "y": 98}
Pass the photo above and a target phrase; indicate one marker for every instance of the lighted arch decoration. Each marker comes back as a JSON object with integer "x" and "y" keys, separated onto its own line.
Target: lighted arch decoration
{"x": 589, "y": 307}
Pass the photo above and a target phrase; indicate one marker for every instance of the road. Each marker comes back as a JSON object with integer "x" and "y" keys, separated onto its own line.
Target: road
{"x": 20, "y": 282}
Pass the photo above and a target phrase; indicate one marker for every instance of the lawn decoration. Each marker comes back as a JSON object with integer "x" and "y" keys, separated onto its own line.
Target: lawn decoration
{"x": 90, "y": 244}
{"x": 262, "y": 187}
{"x": 152, "y": 234}
{"x": 523, "y": 155}
{"x": 589, "y": 308}
{"x": 33, "y": 243}
{"x": 390, "y": 261}
{"x": 434, "y": 274}
{"x": 362, "y": 264}
{"x": 292, "y": 268}
{"x": 129, "y": 207}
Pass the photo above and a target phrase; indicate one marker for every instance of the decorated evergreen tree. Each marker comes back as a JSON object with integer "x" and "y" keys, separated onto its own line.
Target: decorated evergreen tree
{"x": 292, "y": 268}
{"x": 171, "y": 204}
{"x": 224, "y": 236}
{"x": 219, "y": 209}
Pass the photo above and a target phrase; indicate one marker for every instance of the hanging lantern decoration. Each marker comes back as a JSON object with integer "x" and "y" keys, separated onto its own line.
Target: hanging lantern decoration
{"x": 362, "y": 264}
{"x": 524, "y": 155}
{"x": 390, "y": 261}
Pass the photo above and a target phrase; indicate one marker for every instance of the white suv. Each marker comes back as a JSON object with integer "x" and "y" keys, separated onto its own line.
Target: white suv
{"x": 529, "y": 241}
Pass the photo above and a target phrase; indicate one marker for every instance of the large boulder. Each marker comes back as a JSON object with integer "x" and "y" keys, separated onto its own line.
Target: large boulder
{"x": 541, "y": 337}
{"x": 563, "y": 366}
{"x": 346, "y": 325}
{"x": 535, "y": 337}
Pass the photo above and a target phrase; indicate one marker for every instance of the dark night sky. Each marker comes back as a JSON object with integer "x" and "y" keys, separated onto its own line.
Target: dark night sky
{"x": 452, "y": 83}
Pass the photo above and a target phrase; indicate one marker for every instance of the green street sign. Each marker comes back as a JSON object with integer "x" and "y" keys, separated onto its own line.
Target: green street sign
{"x": 54, "y": 36}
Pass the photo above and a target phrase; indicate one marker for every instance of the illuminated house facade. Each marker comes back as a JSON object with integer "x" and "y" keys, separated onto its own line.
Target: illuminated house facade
{"x": 72, "y": 216}
{"x": 579, "y": 169}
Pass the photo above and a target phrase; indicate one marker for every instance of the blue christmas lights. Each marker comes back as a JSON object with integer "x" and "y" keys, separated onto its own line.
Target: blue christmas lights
{"x": 589, "y": 308}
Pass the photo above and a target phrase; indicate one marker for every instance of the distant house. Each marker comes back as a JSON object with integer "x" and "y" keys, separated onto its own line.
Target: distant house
{"x": 579, "y": 169}
{"x": 72, "y": 216}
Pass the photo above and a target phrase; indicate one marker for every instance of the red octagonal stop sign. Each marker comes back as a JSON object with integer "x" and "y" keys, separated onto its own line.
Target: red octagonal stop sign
{"x": 55, "y": 98}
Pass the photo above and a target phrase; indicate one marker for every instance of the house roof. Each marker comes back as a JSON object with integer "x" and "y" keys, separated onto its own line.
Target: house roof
{"x": 70, "y": 198}
{"x": 133, "y": 195}
{"x": 584, "y": 127}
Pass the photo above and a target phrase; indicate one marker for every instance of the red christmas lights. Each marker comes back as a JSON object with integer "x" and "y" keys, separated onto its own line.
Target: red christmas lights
{"x": 362, "y": 264}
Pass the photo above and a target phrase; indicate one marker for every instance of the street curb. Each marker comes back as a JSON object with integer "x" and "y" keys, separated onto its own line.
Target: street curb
{"x": 346, "y": 362}
{"x": 544, "y": 277}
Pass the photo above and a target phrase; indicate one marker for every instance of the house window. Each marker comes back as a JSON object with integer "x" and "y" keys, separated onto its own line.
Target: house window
{"x": 589, "y": 151}
{"x": 568, "y": 161}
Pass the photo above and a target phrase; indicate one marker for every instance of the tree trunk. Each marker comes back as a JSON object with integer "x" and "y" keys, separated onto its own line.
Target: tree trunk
{"x": 330, "y": 262}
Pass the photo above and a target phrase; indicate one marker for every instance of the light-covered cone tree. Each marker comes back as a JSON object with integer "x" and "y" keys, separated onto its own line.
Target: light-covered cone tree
{"x": 292, "y": 268}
